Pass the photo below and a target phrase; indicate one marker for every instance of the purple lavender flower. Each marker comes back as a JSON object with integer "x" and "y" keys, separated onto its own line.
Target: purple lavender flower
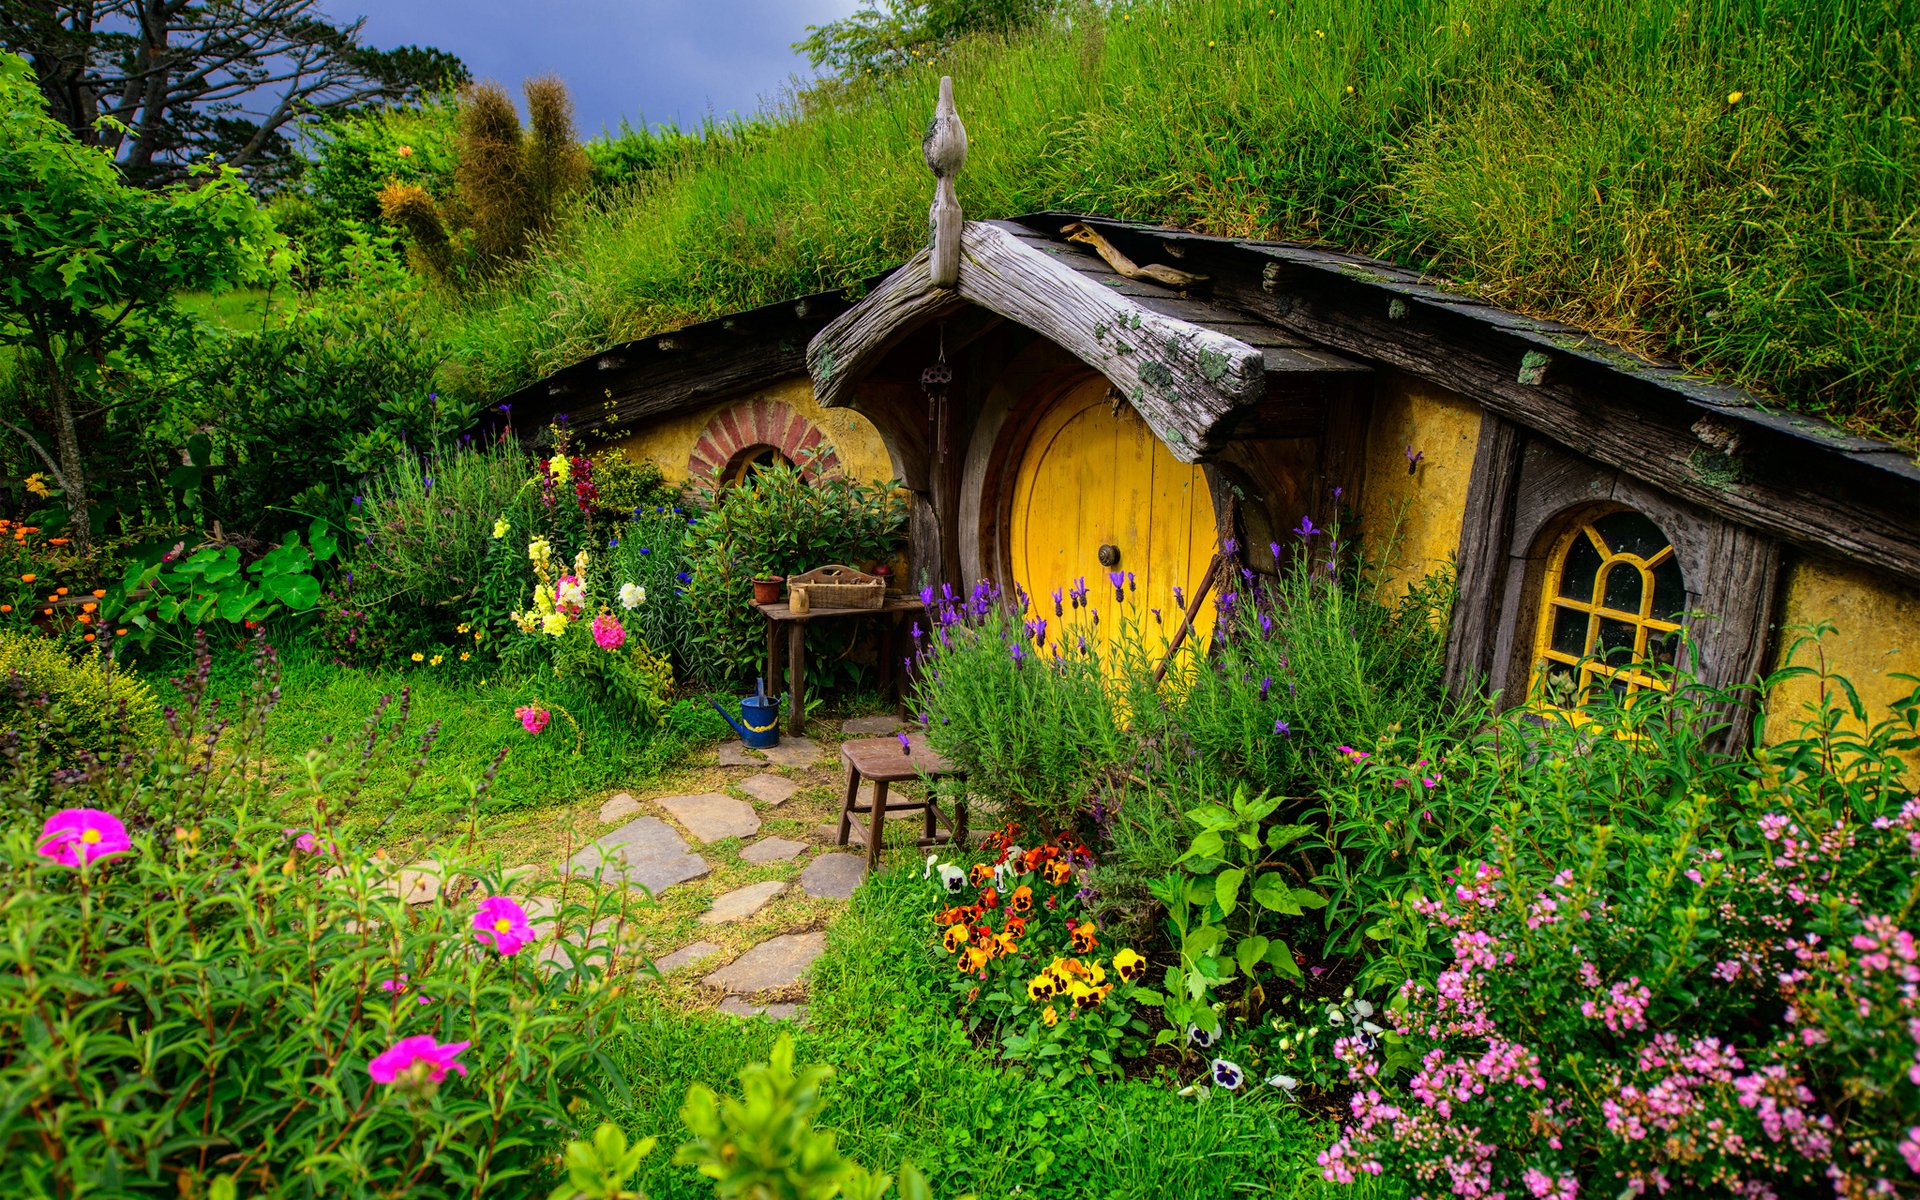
{"x": 1266, "y": 685}
{"x": 926, "y": 597}
{"x": 1058, "y": 604}
{"x": 1413, "y": 459}
{"x": 1117, "y": 579}
{"x": 1232, "y": 546}
{"x": 1156, "y": 615}
{"x": 906, "y": 744}
{"x": 1282, "y": 728}
{"x": 917, "y": 632}
{"x": 1266, "y": 628}
{"x": 1306, "y": 528}
{"x": 1017, "y": 653}
{"x": 1274, "y": 547}
{"x": 1179, "y": 598}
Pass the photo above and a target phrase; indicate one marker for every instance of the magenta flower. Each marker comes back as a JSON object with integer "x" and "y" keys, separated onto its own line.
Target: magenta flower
{"x": 607, "y": 633}
{"x": 399, "y": 986}
{"x": 533, "y": 719}
{"x": 74, "y": 837}
{"x": 418, "y": 1059}
{"x": 502, "y": 924}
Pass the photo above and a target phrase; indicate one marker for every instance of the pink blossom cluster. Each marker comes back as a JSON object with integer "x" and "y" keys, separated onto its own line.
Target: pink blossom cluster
{"x": 1520, "y": 1085}
{"x": 608, "y": 633}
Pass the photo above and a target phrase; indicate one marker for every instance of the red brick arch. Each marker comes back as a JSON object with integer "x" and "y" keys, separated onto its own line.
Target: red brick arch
{"x": 749, "y": 425}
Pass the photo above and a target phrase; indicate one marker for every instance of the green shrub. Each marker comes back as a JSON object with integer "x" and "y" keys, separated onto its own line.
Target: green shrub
{"x": 89, "y": 704}
{"x": 779, "y": 522}
{"x": 1028, "y": 713}
{"x": 425, "y": 541}
{"x": 651, "y": 553}
{"x": 257, "y": 974}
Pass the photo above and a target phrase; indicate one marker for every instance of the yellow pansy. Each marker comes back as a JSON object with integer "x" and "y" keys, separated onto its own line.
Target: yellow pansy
{"x": 417, "y": 656}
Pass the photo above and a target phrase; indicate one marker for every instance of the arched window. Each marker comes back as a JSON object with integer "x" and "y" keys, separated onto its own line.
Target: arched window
{"x": 747, "y": 460}
{"x": 1609, "y": 611}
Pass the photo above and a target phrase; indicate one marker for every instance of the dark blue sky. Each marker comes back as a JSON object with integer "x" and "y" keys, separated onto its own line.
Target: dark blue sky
{"x": 657, "y": 60}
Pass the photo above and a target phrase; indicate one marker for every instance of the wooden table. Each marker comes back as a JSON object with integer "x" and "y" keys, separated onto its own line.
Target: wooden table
{"x": 778, "y": 613}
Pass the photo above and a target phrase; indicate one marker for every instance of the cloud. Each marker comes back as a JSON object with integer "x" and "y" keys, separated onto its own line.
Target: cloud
{"x": 645, "y": 60}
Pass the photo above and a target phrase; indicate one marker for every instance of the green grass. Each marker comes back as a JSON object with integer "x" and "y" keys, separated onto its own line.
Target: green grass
{"x": 242, "y": 310}
{"x": 910, "y": 1084}
{"x": 474, "y": 708}
{"x": 1577, "y": 159}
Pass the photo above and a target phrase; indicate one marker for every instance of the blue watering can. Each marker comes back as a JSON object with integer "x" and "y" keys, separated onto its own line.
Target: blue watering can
{"x": 759, "y": 723}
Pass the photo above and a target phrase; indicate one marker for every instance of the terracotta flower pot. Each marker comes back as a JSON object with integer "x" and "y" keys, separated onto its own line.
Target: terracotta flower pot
{"x": 766, "y": 589}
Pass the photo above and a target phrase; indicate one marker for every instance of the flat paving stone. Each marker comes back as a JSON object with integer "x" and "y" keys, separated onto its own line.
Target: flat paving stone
{"x": 734, "y": 1006}
{"x": 770, "y": 790}
{"x": 772, "y": 849}
{"x": 618, "y": 808}
{"x": 775, "y": 963}
{"x": 686, "y": 956}
{"x": 795, "y": 752}
{"x": 418, "y": 883}
{"x": 870, "y": 726}
{"x": 736, "y": 754}
{"x": 645, "y": 851}
{"x": 712, "y": 816}
{"x": 834, "y": 876}
{"x": 742, "y": 903}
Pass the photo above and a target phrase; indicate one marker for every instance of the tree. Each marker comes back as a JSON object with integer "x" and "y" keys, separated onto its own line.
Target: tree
{"x": 184, "y": 79}
{"x": 888, "y": 36}
{"x": 90, "y": 266}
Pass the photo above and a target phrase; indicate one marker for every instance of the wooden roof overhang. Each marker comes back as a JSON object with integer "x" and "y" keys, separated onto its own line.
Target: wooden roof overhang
{"x": 617, "y": 389}
{"x": 1192, "y": 370}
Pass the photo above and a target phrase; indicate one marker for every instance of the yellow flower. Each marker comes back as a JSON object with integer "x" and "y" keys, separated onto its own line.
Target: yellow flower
{"x": 1129, "y": 965}
{"x": 1735, "y": 97}
{"x": 1051, "y": 1016}
{"x": 437, "y": 660}
{"x": 478, "y": 634}
{"x": 554, "y": 624}
{"x": 539, "y": 552}
{"x": 560, "y": 468}
{"x": 1041, "y": 987}
{"x": 417, "y": 656}
{"x": 404, "y": 151}
{"x": 955, "y": 937}
{"x": 500, "y": 527}
{"x": 37, "y": 484}
{"x": 462, "y": 627}
{"x": 464, "y": 656}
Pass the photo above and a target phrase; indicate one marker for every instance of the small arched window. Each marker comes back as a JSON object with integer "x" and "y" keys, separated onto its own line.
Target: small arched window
{"x": 741, "y": 469}
{"x": 1609, "y": 611}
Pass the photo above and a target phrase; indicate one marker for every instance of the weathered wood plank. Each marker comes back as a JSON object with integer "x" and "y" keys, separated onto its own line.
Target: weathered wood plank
{"x": 1183, "y": 379}
{"x": 1792, "y": 486}
{"x": 1485, "y": 530}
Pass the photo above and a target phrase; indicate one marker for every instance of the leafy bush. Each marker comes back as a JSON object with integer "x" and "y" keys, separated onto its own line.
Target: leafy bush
{"x": 267, "y": 983}
{"x": 778, "y": 522}
{"x": 1026, "y": 712}
{"x": 651, "y": 554}
{"x": 439, "y": 539}
{"x": 168, "y": 594}
{"x": 96, "y": 708}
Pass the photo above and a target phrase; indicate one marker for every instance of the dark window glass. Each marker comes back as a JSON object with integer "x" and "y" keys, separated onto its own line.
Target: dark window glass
{"x": 1583, "y": 562}
{"x": 1615, "y": 646}
{"x": 1569, "y": 632}
{"x": 1623, "y": 588}
{"x": 1669, "y": 591}
{"x": 1631, "y": 533}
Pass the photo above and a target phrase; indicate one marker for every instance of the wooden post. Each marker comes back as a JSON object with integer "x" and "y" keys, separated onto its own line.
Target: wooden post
{"x": 1186, "y": 621}
{"x": 945, "y": 148}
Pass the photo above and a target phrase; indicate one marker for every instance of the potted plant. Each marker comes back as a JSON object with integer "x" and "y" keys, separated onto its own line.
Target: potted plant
{"x": 767, "y": 583}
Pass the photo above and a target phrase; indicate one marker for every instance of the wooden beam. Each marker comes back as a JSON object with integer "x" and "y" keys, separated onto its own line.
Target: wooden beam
{"x": 1183, "y": 379}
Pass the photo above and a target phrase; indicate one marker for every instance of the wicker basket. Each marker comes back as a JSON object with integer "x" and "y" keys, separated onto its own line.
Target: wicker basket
{"x": 835, "y": 586}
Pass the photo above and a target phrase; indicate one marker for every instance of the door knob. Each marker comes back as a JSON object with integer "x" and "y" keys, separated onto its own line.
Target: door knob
{"x": 1109, "y": 556}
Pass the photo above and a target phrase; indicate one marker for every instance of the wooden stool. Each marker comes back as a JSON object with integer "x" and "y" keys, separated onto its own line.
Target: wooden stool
{"x": 881, "y": 762}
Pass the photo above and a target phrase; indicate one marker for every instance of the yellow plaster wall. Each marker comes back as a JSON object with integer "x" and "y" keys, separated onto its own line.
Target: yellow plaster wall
{"x": 1876, "y": 633}
{"x": 668, "y": 441}
{"x": 1415, "y": 517}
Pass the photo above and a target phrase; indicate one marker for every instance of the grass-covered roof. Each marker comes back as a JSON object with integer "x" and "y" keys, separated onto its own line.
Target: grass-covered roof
{"x": 1733, "y": 183}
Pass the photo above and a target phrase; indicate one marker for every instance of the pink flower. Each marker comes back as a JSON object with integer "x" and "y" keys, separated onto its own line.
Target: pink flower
{"x": 307, "y": 843}
{"x": 607, "y": 633}
{"x": 398, "y": 986}
{"x": 502, "y": 924}
{"x": 1352, "y": 754}
{"x": 533, "y": 719}
{"x": 76, "y": 836}
{"x": 419, "y": 1059}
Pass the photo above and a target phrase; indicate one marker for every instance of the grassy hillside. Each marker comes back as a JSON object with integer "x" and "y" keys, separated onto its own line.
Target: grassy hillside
{"x": 1732, "y": 182}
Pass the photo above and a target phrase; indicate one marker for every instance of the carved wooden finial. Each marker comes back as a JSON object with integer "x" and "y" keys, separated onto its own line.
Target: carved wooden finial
{"x": 945, "y": 147}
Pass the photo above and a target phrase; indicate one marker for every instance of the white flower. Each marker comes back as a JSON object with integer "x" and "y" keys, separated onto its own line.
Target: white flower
{"x": 1335, "y": 1015}
{"x": 1199, "y": 1036}
{"x": 1362, "y": 1008}
{"x": 952, "y": 878}
{"x": 1285, "y": 1083}
{"x": 1188, "y": 1090}
{"x": 632, "y": 595}
{"x": 1369, "y": 1027}
{"x": 933, "y": 860}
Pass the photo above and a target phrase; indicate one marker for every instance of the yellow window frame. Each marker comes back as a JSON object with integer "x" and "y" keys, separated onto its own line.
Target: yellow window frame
{"x": 1590, "y": 671}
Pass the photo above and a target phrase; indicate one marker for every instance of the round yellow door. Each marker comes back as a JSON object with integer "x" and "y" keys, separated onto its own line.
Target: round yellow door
{"x": 1092, "y": 478}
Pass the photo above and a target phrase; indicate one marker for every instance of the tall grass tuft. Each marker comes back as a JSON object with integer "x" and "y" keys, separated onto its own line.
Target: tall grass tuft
{"x": 1735, "y": 182}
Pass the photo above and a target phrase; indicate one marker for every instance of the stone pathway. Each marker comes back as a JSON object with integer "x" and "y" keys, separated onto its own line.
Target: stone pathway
{"x": 741, "y": 861}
